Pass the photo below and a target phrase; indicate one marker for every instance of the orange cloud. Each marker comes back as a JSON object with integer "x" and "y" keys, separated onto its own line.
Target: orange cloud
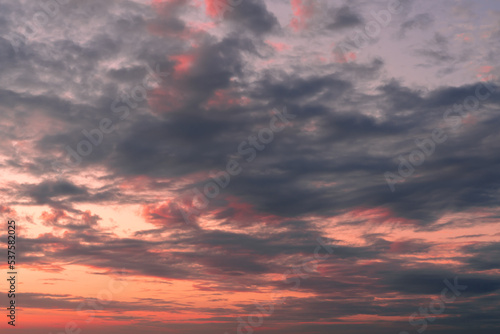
{"x": 7, "y": 210}
{"x": 164, "y": 214}
{"x": 53, "y": 217}
{"x": 338, "y": 56}
{"x": 378, "y": 215}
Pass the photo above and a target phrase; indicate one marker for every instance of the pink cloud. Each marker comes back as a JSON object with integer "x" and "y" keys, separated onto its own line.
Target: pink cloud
{"x": 217, "y": 8}
{"x": 303, "y": 11}
{"x": 244, "y": 213}
{"x": 165, "y": 214}
{"x": 278, "y": 46}
{"x": 166, "y": 99}
{"x": 224, "y": 98}
{"x": 183, "y": 62}
{"x": 49, "y": 218}
{"x": 340, "y": 57}
{"x": 465, "y": 37}
{"x": 378, "y": 215}
{"x": 7, "y": 210}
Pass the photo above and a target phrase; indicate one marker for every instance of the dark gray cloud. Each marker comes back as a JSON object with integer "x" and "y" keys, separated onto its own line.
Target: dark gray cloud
{"x": 420, "y": 21}
{"x": 252, "y": 16}
{"x": 342, "y": 18}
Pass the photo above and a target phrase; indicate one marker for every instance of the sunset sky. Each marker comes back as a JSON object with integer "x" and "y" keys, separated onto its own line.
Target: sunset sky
{"x": 251, "y": 166}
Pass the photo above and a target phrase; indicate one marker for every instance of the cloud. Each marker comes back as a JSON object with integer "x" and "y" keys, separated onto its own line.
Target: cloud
{"x": 321, "y": 176}
{"x": 420, "y": 21}
{"x": 344, "y": 17}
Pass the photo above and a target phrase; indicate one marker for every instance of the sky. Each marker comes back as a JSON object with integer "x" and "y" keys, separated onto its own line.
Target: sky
{"x": 251, "y": 166}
